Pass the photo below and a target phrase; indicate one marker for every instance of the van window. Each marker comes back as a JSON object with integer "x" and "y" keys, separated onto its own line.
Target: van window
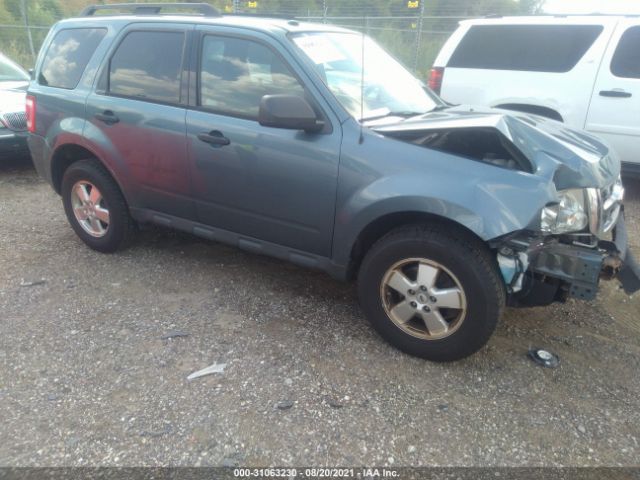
{"x": 626, "y": 59}
{"x": 68, "y": 55}
{"x": 536, "y": 48}
{"x": 147, "y": 65}
{"x": 235, "y": 74}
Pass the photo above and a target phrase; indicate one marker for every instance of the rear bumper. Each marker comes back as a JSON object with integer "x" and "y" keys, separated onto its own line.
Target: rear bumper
{"x": 12, "y": 143}
{"x": 631, "y": 170}
{"x": 40, "y": 154}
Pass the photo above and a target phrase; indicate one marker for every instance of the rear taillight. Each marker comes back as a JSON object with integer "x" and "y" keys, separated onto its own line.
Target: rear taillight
{"x": 31, "y": 113}
{"x": 435, "y": 79}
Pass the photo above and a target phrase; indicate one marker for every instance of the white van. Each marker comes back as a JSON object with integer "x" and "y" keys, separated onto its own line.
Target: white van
{"x": 581, "y": 70}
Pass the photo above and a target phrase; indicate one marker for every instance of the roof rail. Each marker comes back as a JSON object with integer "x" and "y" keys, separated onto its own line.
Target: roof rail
{"x": 276, "y": 16}
{"x": 152, "y": 8}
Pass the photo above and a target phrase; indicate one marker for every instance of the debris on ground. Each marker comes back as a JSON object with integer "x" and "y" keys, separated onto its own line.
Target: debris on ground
{"x": 544, "y": 358}
{"x": 166, "y": 430}
{"x": 284, "y": 404}
{"x": 174, "y": 334}
{"x": 33, "y": 284}
{"x": 215, "y": 368}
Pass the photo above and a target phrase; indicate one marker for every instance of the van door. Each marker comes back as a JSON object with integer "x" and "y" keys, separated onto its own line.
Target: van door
{"x": 614, "y": 112}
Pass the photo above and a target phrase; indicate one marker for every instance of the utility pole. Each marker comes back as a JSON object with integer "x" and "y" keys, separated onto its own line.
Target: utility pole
{"x": 25, "y": 16}
{"x": 419, "y": 36}
{"x": 235, "y": 6}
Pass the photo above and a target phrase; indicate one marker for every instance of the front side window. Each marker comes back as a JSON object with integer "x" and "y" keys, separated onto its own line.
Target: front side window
{"x": 236, "y": 73}
{"x": 68, "y": 55}
{"x": 626, "y": 59}
{"x": 534, "y": 48}
{"x": 148, "y": 65}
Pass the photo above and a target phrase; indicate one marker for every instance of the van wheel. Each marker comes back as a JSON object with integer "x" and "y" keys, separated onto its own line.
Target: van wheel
{"x": 95, "y": 207}
{"x": 431, "y": 291}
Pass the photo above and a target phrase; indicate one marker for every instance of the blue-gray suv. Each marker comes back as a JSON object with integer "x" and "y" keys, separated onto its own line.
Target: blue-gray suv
{"x": 311, "y": 144}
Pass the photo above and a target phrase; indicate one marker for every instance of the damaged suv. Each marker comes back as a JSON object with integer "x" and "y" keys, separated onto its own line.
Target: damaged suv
{"x": 311, "y": 144}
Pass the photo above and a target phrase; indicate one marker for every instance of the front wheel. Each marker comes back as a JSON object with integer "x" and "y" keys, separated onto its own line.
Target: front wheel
{"x": 431, "y": 291}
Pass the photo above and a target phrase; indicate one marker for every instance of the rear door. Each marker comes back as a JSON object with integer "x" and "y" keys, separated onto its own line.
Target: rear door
{"x": 614, "y": 113}
{"x": 271, "y": 184}
{"x": 137, "y": 116}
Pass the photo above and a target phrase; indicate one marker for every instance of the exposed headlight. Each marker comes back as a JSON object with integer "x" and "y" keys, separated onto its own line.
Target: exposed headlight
{"x": 570, "y": 214}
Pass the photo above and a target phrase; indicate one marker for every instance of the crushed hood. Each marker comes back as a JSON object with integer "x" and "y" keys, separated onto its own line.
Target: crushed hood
{"x": 569, "y": 157}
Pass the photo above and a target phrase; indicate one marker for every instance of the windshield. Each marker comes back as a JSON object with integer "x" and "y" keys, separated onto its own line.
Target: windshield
{"x": 10, "y": 72}
{"x": 388, "y": 87}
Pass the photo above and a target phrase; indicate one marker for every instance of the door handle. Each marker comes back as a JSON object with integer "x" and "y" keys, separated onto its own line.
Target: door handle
{"x": 615, "y": 93}
{"x": 107, "y": 117}
{"x": 214, "y": 137}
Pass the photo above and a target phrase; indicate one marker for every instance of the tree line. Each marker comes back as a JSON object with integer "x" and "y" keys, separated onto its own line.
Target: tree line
{"x": 398, "y": 34}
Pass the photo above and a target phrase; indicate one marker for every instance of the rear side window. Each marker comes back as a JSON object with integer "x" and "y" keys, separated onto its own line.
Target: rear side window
{"x": 148, "y": 65}
{"x": 68, "y": 55}
{"x": 235, "y": 74}
{"x": 535, "y": 48}
{"x": 626, "y": 59}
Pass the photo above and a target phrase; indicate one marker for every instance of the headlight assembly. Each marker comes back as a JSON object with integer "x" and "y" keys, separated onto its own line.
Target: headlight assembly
{"x": 570, "y": 214}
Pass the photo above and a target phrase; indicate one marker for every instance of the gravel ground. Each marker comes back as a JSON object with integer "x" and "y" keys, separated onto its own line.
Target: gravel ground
{"x": 86, "y": 377}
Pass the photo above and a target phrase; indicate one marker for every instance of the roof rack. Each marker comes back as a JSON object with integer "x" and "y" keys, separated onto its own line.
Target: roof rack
{"x": 203, "y": 9}
{"x": 276, "y": 16}
{"x": 567, "y": 15}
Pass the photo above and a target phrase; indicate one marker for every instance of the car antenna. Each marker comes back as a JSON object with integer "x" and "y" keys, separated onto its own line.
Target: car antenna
{"x": 364, "y": 27}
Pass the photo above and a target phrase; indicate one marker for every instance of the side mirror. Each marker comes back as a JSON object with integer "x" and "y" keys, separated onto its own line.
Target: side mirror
{"x": 32, "y": 73}
{"x": 288, "y": 111}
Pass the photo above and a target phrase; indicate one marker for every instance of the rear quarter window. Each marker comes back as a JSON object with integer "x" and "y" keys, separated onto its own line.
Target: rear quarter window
{"x": 626, "y": 59}
{"x": 68, "y": 55}
{"x": 536, "y": 48}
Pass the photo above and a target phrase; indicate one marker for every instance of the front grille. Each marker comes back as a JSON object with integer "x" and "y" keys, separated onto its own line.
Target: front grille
{"x": 16, "y": 121}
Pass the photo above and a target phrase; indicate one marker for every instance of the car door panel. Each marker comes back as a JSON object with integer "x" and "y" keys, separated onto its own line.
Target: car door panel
{"x": 142, "y": 120}
{"x": 272, "y": 184}
{"x": 615, "y": 105}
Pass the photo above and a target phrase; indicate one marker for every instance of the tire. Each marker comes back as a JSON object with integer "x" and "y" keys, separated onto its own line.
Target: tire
{"x": 118, "y": 228}
{"x": 455, "y": 270}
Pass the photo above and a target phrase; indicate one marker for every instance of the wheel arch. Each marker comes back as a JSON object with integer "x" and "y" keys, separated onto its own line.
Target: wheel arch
{"x": 66, "y": 155}
{"x": 381, "y": 226}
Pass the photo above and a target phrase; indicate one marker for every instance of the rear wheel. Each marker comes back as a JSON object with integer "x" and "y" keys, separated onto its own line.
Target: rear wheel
{"x": 95, "y": 207}
{"x": 431, "y": 291}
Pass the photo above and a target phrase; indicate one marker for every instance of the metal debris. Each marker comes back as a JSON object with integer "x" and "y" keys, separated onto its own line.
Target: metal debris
{"x": 174, "y": 334}
{"x": 544, "y": 357}
{"x": 166, "y": 430}
{"x": 33, "y": 284}
{"x": 284, "y": 405}
{"x": 215, "y": 368}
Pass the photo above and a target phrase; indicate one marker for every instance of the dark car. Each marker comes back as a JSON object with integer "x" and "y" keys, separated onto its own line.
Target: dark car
{"x": 267, "y": 134}
{"x": 13, "y": 122}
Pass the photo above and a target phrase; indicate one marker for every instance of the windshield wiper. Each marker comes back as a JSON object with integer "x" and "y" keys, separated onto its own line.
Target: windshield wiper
{"x": 403, "y": 114}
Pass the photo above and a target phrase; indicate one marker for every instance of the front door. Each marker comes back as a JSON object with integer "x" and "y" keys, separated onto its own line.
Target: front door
{"x": 614, "y": 113}
{"x": 271, "y": 184}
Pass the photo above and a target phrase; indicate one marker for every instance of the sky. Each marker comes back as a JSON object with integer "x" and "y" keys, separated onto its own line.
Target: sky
{"x": 593, "y": 6}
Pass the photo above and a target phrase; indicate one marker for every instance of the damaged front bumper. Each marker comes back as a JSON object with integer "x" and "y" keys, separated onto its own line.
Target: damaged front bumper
{"x": 539, "y": 271}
